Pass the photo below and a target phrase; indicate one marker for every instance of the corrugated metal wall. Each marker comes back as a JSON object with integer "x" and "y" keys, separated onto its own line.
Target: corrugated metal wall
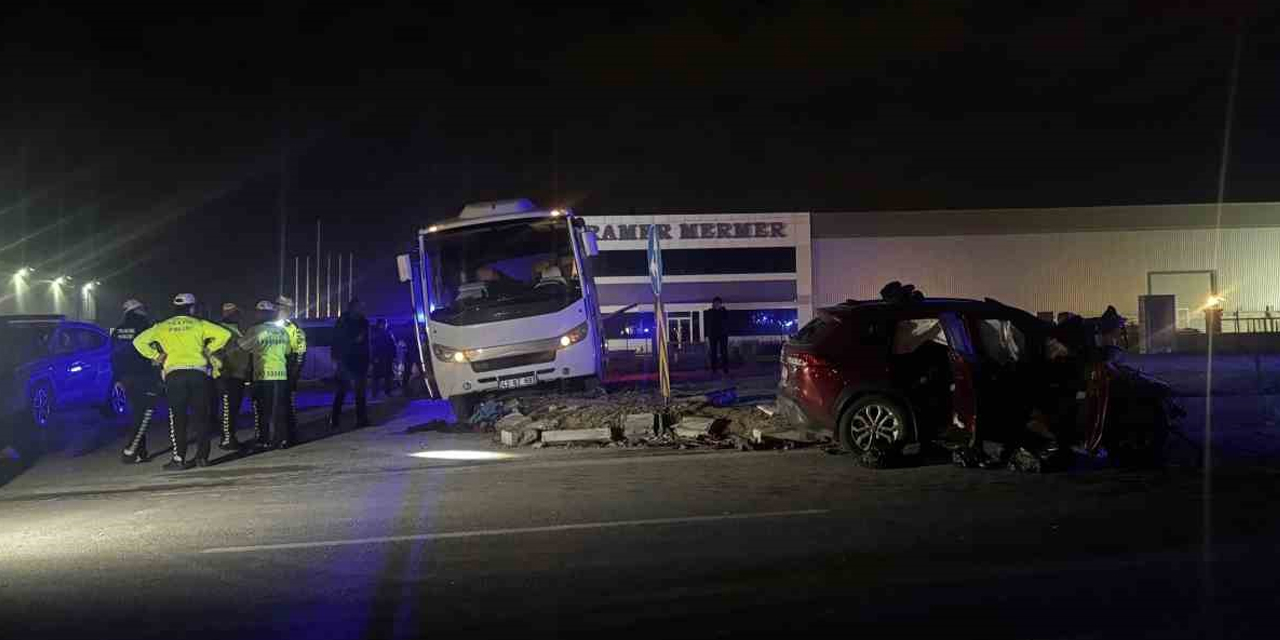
{"x": 1081, "y": 272}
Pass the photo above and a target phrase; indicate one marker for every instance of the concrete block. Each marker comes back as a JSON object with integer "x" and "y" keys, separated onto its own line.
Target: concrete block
{"x": 685, "y": 432}
{"x": 696, "y": 423}
{"x": 760, "y": 436}
{"x": 512, "y": 421}
{"x": 510, "y": 438}
{"x": 602, "y": 434}
{"x": 637, "y": 426}
{"x": 529, "y": 436}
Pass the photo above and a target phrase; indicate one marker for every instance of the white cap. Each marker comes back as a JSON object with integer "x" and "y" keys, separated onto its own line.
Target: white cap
{"x": 266, "y": 305}
{"x": 228, "y": 307}
{"x": 184, "y": 299}
{"x": 285, "y": 301}
{"x": 131, "y": 305}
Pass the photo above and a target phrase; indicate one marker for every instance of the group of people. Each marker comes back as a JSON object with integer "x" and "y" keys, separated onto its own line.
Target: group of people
{"x": 202, "y": 369}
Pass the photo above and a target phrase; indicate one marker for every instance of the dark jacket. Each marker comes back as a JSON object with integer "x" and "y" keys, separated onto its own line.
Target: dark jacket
{"x": 383, "y": 344}
{"x": 717, "y": 322}
{"x": 126, "y": 362}
{"x": 351, "y": 341}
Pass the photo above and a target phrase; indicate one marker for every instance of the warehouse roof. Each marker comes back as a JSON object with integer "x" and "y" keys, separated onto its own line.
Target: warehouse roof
{"x": 953, "y": 222}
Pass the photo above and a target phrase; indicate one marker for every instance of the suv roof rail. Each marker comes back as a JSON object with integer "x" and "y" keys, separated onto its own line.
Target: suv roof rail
{"x": 34, "y": 317}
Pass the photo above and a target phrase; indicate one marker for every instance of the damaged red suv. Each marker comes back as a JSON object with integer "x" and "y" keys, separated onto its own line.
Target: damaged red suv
{"x": 885, "y": 374}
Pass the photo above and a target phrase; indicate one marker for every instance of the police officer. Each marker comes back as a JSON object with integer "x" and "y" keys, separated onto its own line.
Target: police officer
{"x": 182, "y": 345}
{"x": 231, "y": 374}
{"x": 271, "y": 347}
{"x": 141, "y": 378}
{"x": 298, "y": 346}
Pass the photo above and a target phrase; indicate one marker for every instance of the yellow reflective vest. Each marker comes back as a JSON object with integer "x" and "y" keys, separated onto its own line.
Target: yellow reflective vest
{"x": 184, "y": 343}
{"x": 297, "y": 338}
{"x": 271, "y": 347}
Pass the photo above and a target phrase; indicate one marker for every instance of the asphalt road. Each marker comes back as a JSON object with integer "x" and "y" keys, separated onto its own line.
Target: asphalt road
{"x": 350, "y": 537}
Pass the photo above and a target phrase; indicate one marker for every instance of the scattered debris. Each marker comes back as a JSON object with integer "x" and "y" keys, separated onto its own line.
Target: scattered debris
{"x": 602, "y": 434}
{"x": 634, "y": 418}
{"x": 487, "y": 414}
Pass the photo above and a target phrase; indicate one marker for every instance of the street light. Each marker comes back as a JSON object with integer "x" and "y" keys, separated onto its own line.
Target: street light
{"x": 61, "y": 280}
{"x": 90, "y": 286}
{"x": 23, "y": 272}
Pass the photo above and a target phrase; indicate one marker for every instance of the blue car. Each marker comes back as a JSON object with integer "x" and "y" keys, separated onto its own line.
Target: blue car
{"x": 49, "y": 364}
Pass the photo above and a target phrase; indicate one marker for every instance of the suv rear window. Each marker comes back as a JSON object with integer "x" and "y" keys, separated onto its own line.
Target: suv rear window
{"x": 812, "y": 332}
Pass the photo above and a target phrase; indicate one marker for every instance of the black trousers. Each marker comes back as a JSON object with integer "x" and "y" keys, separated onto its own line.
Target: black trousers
{"x": 290, "y": 405}
{"x": 144, "y": 396}
{"x": 382, "y": 377}
{"x": 189, "y": 393}
{"x": 270, "y": 411}
{"x": 718, "y": 352}
{"x": 231, "y": 395}
{"x": 349, "y": 376}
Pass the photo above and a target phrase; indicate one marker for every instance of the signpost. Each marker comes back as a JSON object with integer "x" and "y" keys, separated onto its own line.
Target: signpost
{"x": 659, "y": 316}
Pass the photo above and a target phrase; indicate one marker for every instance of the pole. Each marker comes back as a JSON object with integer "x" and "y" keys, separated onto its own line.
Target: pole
{"x": 1206, "y": 461}
{"x": 295, "y": 285}
{"x": 664, "y": 365}
{"x": 339, "y": 296}
{"x": 307, "y": 275}
{"x": 282, "y": 204}
{"x": 317, "y": 301}
{"x": 351, "y": 273}
{"x": 328, "y": 285}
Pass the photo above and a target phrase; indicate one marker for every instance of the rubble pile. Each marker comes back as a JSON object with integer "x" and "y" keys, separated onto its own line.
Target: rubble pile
{"x": 636, "y": 418}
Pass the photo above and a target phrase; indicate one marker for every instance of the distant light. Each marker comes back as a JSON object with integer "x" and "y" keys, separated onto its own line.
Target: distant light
{"x": 61, "y": 280}
{"x": 433, "y": 228}
{"x": 88, "y": 286}
{"x": 462, "y": 454}
{"x": 1214, "y": 302}
{"x": 422, "y": 317}
{"x": 556, "y": 213}
{"x": 24, "y": 272}
{"x": 76, "y": 368}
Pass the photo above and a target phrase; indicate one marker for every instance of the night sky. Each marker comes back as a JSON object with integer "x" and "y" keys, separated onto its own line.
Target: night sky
{"x": 158, "y": 139}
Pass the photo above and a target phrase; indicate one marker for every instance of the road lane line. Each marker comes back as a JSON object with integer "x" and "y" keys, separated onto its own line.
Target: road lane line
{"x": 616, "y": 524}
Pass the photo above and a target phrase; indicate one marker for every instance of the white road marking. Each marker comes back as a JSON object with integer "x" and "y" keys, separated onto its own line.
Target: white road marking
{"x": 616, "y": 524}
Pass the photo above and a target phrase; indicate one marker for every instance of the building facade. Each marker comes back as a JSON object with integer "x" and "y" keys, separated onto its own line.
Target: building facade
{"x": 760, "y": 264}
{"x": 1067, "y": 259}
{"x": 773, "y": 269}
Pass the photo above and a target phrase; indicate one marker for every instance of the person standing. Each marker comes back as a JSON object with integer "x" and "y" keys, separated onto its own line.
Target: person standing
{"x": 383, "y": 347}
{"x": 231, "y": 374}
{"x": 270, "y": 346}
{"x": 716, "y": 324}
{"x": 297, "y": 354}
{"x": 183, "y": 344}
{"x": 351, "y": 355}
{"x": 140, "y": 377}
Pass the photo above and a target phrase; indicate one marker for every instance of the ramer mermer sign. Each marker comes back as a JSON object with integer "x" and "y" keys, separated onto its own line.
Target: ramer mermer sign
{"x": 691, "y": 231}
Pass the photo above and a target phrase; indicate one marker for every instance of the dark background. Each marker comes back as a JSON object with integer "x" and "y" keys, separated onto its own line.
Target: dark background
{"x": 144, "y": 147}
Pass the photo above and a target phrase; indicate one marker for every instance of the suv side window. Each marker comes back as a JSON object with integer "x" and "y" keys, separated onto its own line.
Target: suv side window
{"x": 86, "y": 340}
{"x": 64, "y": 342}
{"x": 912, "y": 333}
{"x": 873, "y": 331}
{"x": 1002, "y": 342}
